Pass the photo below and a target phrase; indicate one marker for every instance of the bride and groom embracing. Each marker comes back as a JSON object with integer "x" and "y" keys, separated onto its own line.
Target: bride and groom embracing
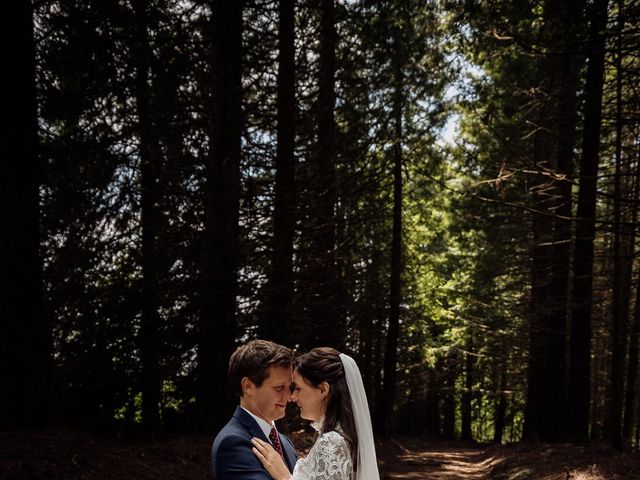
{"x": 326, "y": 385}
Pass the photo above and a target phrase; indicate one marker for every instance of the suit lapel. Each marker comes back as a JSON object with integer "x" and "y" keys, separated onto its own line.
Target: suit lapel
{"x": 289, "y": 453}
{"x": 254, "y": 429}
{"x": 249, "y": 423}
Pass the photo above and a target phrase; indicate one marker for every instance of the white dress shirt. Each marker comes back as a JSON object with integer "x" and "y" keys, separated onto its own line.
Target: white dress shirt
{"x": 262, "y": 423}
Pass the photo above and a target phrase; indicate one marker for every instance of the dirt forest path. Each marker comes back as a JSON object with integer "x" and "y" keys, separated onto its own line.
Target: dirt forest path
{"x": 408, "y": 459}
{"x": 70, "y": 454}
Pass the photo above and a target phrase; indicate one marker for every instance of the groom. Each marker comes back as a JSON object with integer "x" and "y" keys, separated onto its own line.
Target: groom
{"x": 260, "y": 373}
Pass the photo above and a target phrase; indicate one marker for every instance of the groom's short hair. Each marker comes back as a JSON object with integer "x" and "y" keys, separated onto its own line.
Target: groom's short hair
{"x": 253, "y": 360}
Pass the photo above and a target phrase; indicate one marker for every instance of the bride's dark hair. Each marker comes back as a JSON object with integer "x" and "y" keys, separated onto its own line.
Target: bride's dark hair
{"x": 323, "y": 364}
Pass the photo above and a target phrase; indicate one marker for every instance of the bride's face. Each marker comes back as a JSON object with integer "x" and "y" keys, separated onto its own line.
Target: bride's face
{"x": 310, "y": 399}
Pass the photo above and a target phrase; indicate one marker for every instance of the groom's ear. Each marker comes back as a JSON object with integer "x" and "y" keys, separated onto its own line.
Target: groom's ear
{"x": 247, "y": 385}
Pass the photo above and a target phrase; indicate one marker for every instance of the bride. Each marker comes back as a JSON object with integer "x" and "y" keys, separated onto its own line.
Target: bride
{"x": 329, "y": 392}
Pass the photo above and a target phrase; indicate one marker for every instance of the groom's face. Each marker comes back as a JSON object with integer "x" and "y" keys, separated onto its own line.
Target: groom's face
{"x": 269, "y": 400}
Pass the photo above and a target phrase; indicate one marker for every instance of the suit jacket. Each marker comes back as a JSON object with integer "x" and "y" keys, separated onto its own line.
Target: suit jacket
{"x": 231, "y": 455}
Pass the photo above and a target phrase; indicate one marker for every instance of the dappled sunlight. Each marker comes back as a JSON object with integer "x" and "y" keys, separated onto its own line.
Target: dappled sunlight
{"x": 411, "y": 458}
{"x": 592, "y": 474}
{"x": 438, "y": 463}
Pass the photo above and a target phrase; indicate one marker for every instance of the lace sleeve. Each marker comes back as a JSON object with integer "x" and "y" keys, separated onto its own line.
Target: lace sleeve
{"x": 329, "y": 459}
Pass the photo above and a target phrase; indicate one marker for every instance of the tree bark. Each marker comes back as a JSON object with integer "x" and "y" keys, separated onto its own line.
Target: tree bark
{"x": 391, "y": 350}
{"x": 378, "y": 351}
{"x": 580, "y": 345}
{"x": 449, "y": 403}
{"x": 285, "y": 195}
{"x": 432, "y": 401}
{"x": 538, "y": 356}
{"x": 542, "y": 248}
{"x": 368, "y": 322}
{"x": 631, "y": 393}
{"x": 467, "y": 396}
{"x": 25, "y": 338}
{"x": 501, "y": 408}
{"x": 325, "y": 327}
{"x": 621, "y": 283}
{"x": 568, "y": 28}
{"x": 217, "y": 328}
{"x": 554, "y": 145}
{"x": 150, "y": 158}
{"x": 541, "y": 267}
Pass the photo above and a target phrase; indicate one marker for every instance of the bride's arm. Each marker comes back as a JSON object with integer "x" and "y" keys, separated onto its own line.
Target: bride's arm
{"x": 271, "y": 460}
{"x": 332, "y": 458}
{"x": 329, "y": 459}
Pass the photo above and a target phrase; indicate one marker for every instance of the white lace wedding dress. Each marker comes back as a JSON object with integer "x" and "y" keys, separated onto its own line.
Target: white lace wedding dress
{"x": 330, "y": 456}
{"x": 328, "y": 459}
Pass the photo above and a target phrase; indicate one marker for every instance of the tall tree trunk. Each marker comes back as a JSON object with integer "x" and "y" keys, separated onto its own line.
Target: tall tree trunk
{"x": 580, "y": 357}
{"x": 25, "y": 339}
{"x": 554, "y": 144}
{"x": 569, "y": 29}
{"x": 542, "y": 236}
{"x": 449, "y": 403}
{"x": 285, "y": 196}
{"x": 467, "y": 396}
{"x": 220, "y": 270}
{"x": 620, "y": 284}
{"x": 150, "y": 158}
{"x": 631, "y": 394}
{"x": 326, "y": 327}
{"x": 378, "y": 360}
{"x": 432, "y": 402}
{"x": 501, "y": 408}
{"x": 542, "y": 248}
{"x": 391, "y": 350}
{"x": 367, "y": 322}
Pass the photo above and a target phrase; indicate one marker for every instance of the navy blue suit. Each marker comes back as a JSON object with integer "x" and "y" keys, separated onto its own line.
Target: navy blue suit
{"x": 231, "y": 455}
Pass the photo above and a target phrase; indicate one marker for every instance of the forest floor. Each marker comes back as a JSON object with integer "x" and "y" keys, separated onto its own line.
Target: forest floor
{"x": 66, "y": 454}
{"x": 414, "y": 458}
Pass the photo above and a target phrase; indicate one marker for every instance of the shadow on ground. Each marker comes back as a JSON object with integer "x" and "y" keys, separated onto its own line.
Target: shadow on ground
{"x": 69, "y": 454}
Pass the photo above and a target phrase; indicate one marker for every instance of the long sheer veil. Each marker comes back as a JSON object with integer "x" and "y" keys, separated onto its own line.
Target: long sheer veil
{"x": 367, "y": 464}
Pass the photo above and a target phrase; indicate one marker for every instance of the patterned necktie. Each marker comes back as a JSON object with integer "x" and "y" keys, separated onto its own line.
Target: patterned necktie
{"x": 275, "y": 440}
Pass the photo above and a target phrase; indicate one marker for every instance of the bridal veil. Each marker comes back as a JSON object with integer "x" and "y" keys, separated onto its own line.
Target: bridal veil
{"x": 367, "y": 464}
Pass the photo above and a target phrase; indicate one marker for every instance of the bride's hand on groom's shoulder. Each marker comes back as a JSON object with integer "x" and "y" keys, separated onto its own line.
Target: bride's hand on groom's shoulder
{"x": 270, "y": 459}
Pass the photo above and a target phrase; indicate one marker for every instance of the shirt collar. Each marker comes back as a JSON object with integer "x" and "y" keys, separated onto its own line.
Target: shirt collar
{"x": 318, "y": 425}
{"x": 262, "y": 423}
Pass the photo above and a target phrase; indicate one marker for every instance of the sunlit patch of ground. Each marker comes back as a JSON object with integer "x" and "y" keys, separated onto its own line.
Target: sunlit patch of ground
{"x": 564, "y": 462}
{"x": 420, "y": 459}
{"x": 412, "y": 459}
{"x": 591, "y": 474}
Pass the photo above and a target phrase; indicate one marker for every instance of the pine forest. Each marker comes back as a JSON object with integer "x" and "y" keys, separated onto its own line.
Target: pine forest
{"x": 446, "y": 190}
